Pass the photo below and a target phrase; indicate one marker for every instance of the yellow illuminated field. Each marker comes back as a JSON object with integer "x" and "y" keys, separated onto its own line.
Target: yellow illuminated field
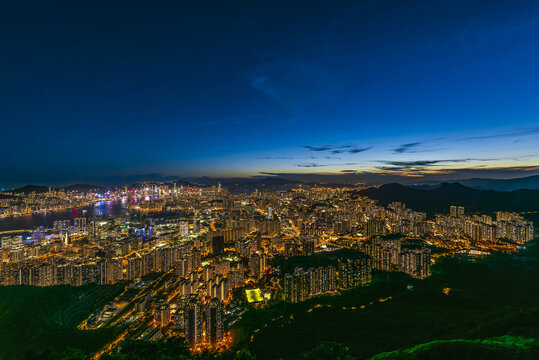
{"x": 253, "y": 295}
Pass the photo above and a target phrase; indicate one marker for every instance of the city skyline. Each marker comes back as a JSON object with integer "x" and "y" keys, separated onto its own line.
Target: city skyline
{"x": 261, "y": 180}
{"x": 191, "y": 269}
{"x": 369, "y": 91}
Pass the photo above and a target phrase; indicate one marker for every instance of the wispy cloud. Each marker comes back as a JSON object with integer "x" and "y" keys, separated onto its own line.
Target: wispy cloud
{"x": 323, "y": 165}
{"x": 338, "y": 149}
{"x": 418, "y": 146}
{"x": 359, "y": 150}
{"x": 275, "y": 157}
{"x": 404, "y": 148}
{"x": 435, "y": 175}
{"x": 310, "y": 165}
{"x": 511, "y": 134}
{"x": 422, "y": 146}
{"x": 318, "y": 148}
{"x": 420, "y": 165}
{"x": 297, "y": 157}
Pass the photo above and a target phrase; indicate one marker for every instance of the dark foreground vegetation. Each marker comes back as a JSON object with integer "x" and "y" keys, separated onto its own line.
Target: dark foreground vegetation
{"x": 481, "y": 300}
{"x": 33, "y": 319}
{"x": 468, "y": 309}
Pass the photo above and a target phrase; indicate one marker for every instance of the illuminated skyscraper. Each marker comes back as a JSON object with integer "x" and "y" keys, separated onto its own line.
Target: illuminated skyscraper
{"x": 193, "y": 321}
{"x": 354, "y": 272}
{"x": 322, "y": 280}
{"x": 162, "y": 314}
{"x": 375, "y": 227}
{"x": 415, "y": 261}
{"x": 196, "y": 259}
{"x": 296, "y": 286}
{"x": 218, "y": 244}
{"x": 236, "y": 275}
{"x": 257, "y": 264}
{"x": 214, "y": 322}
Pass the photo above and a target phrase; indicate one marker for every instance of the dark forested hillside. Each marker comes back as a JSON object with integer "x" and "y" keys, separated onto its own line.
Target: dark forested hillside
{"x": 441, "y": 198}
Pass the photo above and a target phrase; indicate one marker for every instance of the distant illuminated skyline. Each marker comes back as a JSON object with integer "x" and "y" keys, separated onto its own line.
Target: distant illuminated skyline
{"x": 94, "y": 91}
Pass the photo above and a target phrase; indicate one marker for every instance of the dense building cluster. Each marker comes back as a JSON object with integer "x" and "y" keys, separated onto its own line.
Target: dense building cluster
{"x": 507, "y": 226}
{"x": 354, "y": 272}
{"x": 304, "y": 284}
{"x": 393, "y": 255}
{"x": 202, "y": 322}
{"x": 46, "y": 200}
{"x": 187, "y": 254}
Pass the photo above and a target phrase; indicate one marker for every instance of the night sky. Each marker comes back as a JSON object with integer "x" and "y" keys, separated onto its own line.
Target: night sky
{"x": 92, "y": 91}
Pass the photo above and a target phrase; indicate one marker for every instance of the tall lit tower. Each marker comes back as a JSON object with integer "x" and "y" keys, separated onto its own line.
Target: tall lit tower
{"x": 214, "y": 322}
{"x": 193, "y": 320}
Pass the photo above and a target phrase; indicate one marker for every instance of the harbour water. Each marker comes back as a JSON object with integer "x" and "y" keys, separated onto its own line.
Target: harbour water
{"x": 102, "y": 209}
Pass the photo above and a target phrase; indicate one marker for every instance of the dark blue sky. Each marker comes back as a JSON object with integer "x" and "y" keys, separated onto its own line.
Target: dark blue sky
{"x": 95, "y": 89}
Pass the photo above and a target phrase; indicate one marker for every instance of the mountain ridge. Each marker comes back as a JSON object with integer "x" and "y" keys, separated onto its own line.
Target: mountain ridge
{"x": 521, "y": 183}
{"x": 439, "y": 200}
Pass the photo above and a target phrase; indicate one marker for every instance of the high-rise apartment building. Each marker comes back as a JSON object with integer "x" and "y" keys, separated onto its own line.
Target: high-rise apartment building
{"x": 193, "y": 321}
{"x": 214, "y": 322}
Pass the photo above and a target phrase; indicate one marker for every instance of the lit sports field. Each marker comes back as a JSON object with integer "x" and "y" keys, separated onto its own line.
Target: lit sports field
{"x": 253, "y": 295}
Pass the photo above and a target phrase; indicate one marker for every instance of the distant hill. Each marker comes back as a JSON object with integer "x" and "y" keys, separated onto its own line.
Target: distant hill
{"x": 83, "y": 188}
{"x": 29, "y": 189}
{"x": 438, "y": 200}
{"x": 250, "y": 184}
{"x": 261, "y": 184}
{"x": 529, "y": 183}
{"x": 524, "y": 183}
{"x": 43, "y": 189}
{"x": 180, "y": 183}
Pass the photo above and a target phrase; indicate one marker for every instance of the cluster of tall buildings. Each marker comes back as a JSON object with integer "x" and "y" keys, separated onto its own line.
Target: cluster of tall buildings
{"x": 392, "y": 255}
{"x": 514, "y": 227}
{"x": 75, "y": 273}
{"x": 23, "y": 269}
{"x": 456, "y": 211}
{"x": 354, "y": 272}
{"x": 396, "y": 218}
{"x": 507, "y": 226}
{"x": 233, "y": 241}
{"x": 202, "y": 322}
{"x": 160, "y": 259}
{"x": 380, "y": 254}
{"x": 415, "y": 261}
{"x": 304, "y": 284}
{"x": 41, "y": 200}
